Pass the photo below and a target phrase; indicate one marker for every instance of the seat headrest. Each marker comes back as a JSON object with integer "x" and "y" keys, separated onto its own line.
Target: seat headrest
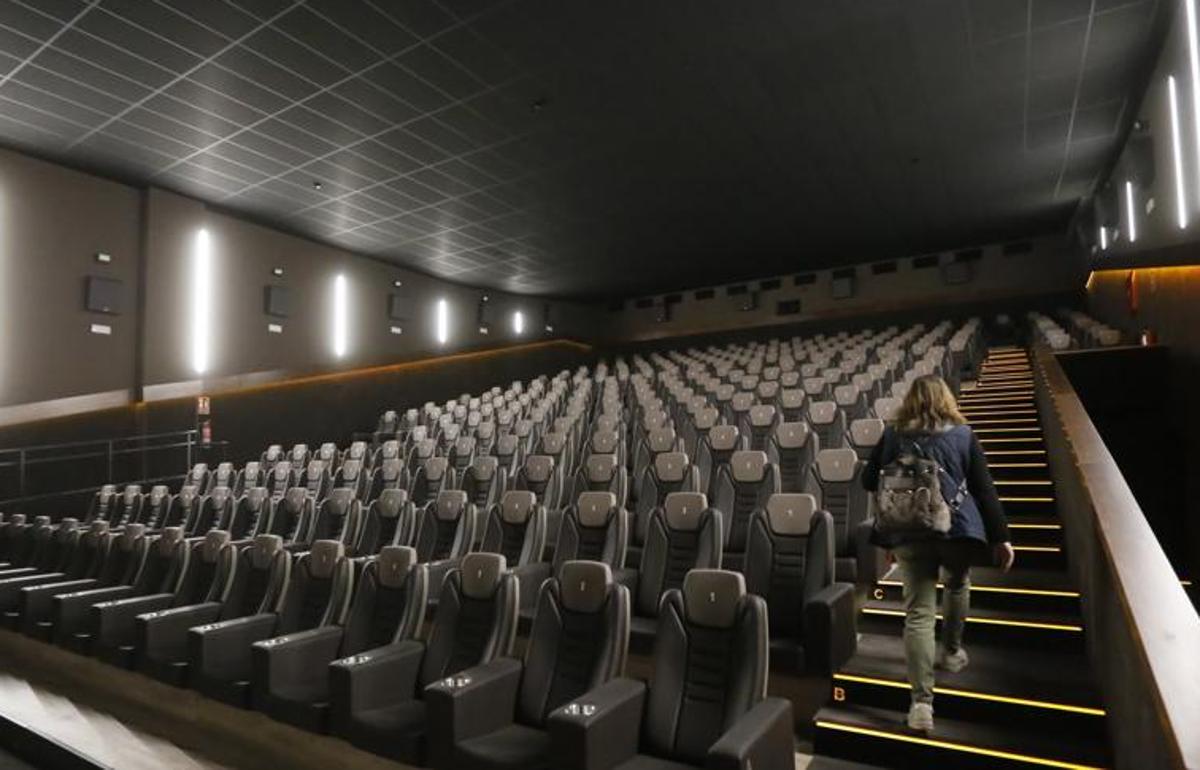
{"x": 683, "y": 509}
{"x": 252, "y": 469}
{"x": 539, "y": 467}
{"x": 435, "y": 467}
{"x": 390, "y": 470}
{"x": 790, "y": 513}
{"x": 506, "y": 443}
{"x": 64, "y": 525}
{"x": 671, "y": 466}
{"x": 393, "y": 563}
{"x": 340, "y": 499}
{"x": 351, "y": 468}
{"x": 132, "y": 491}
{"x": 295, "y": 498}
{"x": 484, "y": 468}
{"x": 845, "y": 394}
{"x": 158, "y": 492}
{"x": 605, "y": 442}
{"x": 583, "y": 585}
{"x": 711, "y": 597}
{"x": 723, "y": 437}
{"x": 517, "y": 506}
{"x": 168, "y": 538}
{"x": 725, "y": 392}
{"x": 357, "y": 451}
{"x": 256, "y": 496}
{"x": 323, "y": 557}
{"x": 220, "y": 495}
{"x": 822, "y": 412}
{"x": 486, "y": 430}
{"x": 762, "y": 415}
{"x": 885, "y": 408}
{"x": 814, "y": 386}
{"x": 866, "y": 431}
{"x": 41, "y": 521}
{"x": 554, "y": 442}
{"x": 661, "y": 439}
{"x": 481, "y": 573}
{"x": 593, "y": 508}
{"x": 425, "y": 448}
{"x": 749, "y": 466}
{"x": 264, "y": 549}
{"x": 283, "y": 470}
{"x": 187, "y": 494}
{"x": 214, "y": 541}
{"x": 601, "y": 468}
{"x": 706, "y": 418}
{"x": 836, "y": 464}
{"x": 792, "y": 435}
{"x": 450, "y": 504}
{"x": 316, "y": 467}
{"x": 464, "y": 445}
{"x": 131, "y": 534}
{"x": 741, "y": 402}
{"x": 390, "y": 501}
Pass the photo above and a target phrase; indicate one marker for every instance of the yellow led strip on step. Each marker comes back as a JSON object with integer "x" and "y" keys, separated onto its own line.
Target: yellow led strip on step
{"x": 1030, "y": 429}
{"x": 1009, "y": 421}
{"x": 975, "y": 695}
{"x": 987, "y": 621}
{"x": 1034, "y": 526}
{"x": 1018, "y": 465}
{"x": 1011, "y": 440}
{"x": 999, "y": 452}
{"x": 1000, "y": 590}
{"x": 1023, "y": 482}
{"x": 1026, "y": 499}
{"x": 966, "y": 748}
{"x": 1038, "y": 548}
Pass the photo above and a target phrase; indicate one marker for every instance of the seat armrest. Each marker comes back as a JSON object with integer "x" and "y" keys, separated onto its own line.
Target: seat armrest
{"x": 600, "y": 729}
{"x": 115, "y": 621}
{"x": 628, "y": 577}
{"x": 72, "y": 610}
{"x": 470, "y": 703}
{"x": 221, "y": 650}
{"x": 830, "y": 628}
{"x": 37, "y": 602}
{"x": 293, "y": 658}
{"x": 762, "y": 738}
{"x": 373, "y": 679}
{"x": 162, "y": 634}
{"x": 871, "y": 564}
{"x": 529, "y": 582}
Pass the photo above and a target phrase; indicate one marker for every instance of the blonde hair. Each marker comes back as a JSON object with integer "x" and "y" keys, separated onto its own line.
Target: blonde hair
{"x": 928, "y": 406}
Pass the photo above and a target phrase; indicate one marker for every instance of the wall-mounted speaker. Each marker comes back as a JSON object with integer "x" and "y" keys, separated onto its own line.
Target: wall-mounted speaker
{"x": 958, "y": 272}
{"x": 398, "y": 306}
{"x": 104, "y": 295}
{"x": 746, "y": 302}
{"x": 276, "y": 301}
{"x": 484, "y": 313}
{"x": 843, "y": 284}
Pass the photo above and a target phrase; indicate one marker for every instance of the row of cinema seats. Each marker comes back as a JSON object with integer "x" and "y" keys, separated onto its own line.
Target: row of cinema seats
{"x": 198, "y": 587}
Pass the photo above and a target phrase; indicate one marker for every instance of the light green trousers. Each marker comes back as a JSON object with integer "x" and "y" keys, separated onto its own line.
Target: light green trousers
{"x": 920, "y": 565}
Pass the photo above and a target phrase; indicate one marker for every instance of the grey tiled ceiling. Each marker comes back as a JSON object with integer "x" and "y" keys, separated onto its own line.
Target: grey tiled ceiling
{"x": 591, "y": 148}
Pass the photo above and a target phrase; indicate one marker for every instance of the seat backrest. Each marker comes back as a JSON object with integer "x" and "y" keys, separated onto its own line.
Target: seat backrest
{"x": 164, "y": 563}
{"x": 262, "y": 571}
{"x": 476, "y": 617}
{"x": 252, "y": 475}
{"x": 101, "y": 505}
{"x": 215, "y": 512}
{"x": 338, "y": 518}
{"x": 710, "y": 664}
{"x": 183, "y": 509}
{"x": 483, "y": 482}
{"x": 155, "y": 506}
{"x": 540, "y": 475}
{"x": 595, "y": 528}
{"x": 128, "y": 505}
{"x": 434, "y": 475}
{"x": 760, "y": 421}
{"x": 684, "y": 534}
{"x": 124, "y": 556}
{"x": 792, "y": 447}
{"x": 744, "y": 486}
{"x": 389, "y": 521}
{"x": 209, "y": 570}
{"x": 292, "y": 516}
{"x": 281, "y": 479}
{"x": 864, "y": 434}
{"x": 516, "y": 528}
{"x": 252, "y": 512}
{"x": 319, "y": 588}
{"x": 446, "y": 528}
{"x": 198, "y": 477}
{"x": 579, "y": 639}
{"x": 389, "y": 601}
{"x": 789, "y": 558}
{"x": 835, "y": 481}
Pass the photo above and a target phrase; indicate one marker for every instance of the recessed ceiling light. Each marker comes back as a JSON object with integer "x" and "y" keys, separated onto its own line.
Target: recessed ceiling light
{"x": 277, "y": 271}
{"x": 317, "y": 184}
{"x": 397, "y": 284}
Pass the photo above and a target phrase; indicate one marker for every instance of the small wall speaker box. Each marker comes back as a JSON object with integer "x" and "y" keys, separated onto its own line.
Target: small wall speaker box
{"x": 842, "y": 288}
{"x": 958, "y": 273}
{"x": 104, "y": 295}
{"x": 397, "y": 307}
{"x": 484, "y": 316}
{"x": 744, "y": 303}
{"x": 276, "y": 301}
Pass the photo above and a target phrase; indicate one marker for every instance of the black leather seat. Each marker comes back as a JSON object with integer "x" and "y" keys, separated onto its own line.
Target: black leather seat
{"x": 281, "y": 478}
{"x": 671, "y": 472}
{"x": 792, "y": 448}
{"x": 377, "y": 697}
{"x": 541, "y": 475}
{"x": 516, "y": 529}
{"x": 183, "y": 508}
{"x": 706, "y": 704}
{"x": 835, "y": 479}
{"x": 484, "y": 485}
{"x": 291, "y": 672}
{"x": 98, "y": 509}
{"x": 127, "y": 507}
{"x": 445, "y": 533}
{"x": 114, "y": 623}
{"x": 790, "y": 563}
{"x": 578, "y": 642}
{"x": 338, "y": 517}
{"x": 214, "y": 512}
{"x": 251, "y": 512}
{"x": 84, "y": 561}
{"x": 863, "y": 434}
{"x": 716, "y": 447}
{"x": 317, "y": 593}
{"x": 461, "y": 453}
{"x": 601, "y": 473}
{"x": 743, "y": 487}
{"x": 390, "y": 520}
{"x": 353, "y": 476}
{"x": 683, "y": 535}
{"x": 292, "y": 517}
{"x": 316, "y": 479}
{"x": 155, "y": 506}
{"x": 828, "y": 422}
{"x": 388, "y": 474}
{"x": 247, "y": 583}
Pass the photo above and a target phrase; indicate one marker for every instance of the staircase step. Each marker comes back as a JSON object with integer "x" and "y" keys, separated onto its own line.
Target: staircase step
{"x": 1036, "y": 591}
{"x": 1015, "y": 626}
{"x": 1037, "y": 688}
{"x": 865, "y": 734}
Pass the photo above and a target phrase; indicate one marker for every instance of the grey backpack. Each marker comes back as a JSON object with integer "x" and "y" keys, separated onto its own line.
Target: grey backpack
{"x": 909, "y": 498}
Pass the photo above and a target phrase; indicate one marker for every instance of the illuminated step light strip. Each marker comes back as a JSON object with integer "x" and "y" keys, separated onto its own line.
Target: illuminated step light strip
{"x": 987, "y": 621}
{"x": 1008, "y": 699}
{"x": 1024, "y": 482}
{"x": 1035, "y": 526}
{"x": 987, "y": 411}
{"x": 997, "y": 401}
{"x": 1000, "y": 590}
{"x": 952, "y": 746}
{"x": 1011, "y": 440}
{"x": 1130, "y": 214}
{"x": 1001, "y": 452}
{"x": 1000, "y": 389}
{"x": 1026, "y": 499}
{"x": 1032, "y": 429}
{"x": 1010, "y": 421}
{"x": 1038, "y": 548}
{"x": 1177, "y": 155}
{"x": 1019, "y": 465}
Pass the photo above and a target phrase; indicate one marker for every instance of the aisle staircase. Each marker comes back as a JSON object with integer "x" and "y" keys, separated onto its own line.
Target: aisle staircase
{"x": 1027, "y": 698}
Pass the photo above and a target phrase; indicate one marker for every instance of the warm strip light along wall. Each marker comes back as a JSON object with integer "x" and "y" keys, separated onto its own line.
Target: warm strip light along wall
{"x": 1177, "y": 154}
{"x": 443, "y": 322}
{"x": 201, "y": 300}
{"x": 1130, "y": 212}
{"x": 341, "y": 320}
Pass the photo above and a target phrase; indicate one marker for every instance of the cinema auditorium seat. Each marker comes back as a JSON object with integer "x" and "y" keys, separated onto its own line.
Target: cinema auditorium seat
{"x": 835, "y": 481}
{"x": 705, "y": 704}
{"x": 377, "y": 697}
{"x": 389, "y": 520}
{"x": 743, "y": 487}
{"x": 496, "y": 717}
{"x": 290, "y": 673}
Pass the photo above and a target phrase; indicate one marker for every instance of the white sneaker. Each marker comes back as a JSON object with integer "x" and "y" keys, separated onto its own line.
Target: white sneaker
{"x": 953, "y": 661}
{"x": 920, "y": 717}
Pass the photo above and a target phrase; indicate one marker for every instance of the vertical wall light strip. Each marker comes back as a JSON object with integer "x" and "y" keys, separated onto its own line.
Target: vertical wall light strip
{"x": 1130, "y": 212}
{"x": 1194, "y": 67}
{"x": 340, "y": 312}
{"x": 1103, "y": 238}
{"x": 519, "y": 322}
{"x": 1177, "y": 154}
{"x": 443, "y": 322}
{"x": 201, "y": 299}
